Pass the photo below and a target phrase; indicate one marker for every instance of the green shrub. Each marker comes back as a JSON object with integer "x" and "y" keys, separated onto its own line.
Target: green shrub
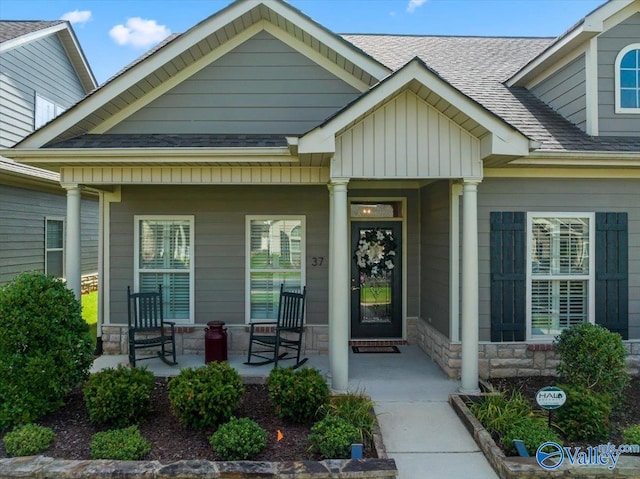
{"x": 119, "y": 397}
{"x": 298, "y": 394}
{"x": 332, "y": 438}
{"x": 631, "y": 435}
{"x": 592, "y": 357}
{"x": 585, "y": 415}
{"x": 28, "y": 440}
{"x": 357, "y": 409}
{"x": 119, "y": 444}
{"x": 45, "y": 347}
{"x": 498, "y": 412}
{"x": 238, "y": 439}
{"x": 205, "y": 397}
{"x": 533, "y": 431}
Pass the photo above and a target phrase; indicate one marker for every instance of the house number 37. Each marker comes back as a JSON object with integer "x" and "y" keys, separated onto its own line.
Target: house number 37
{"x": 317, "y": 260}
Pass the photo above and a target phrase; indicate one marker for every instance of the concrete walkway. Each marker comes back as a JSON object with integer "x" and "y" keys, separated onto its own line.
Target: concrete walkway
{"x": 419, "y": 428}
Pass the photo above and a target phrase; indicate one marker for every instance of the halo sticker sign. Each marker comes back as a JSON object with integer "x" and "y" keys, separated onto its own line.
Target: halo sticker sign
{"x": 551, "y": 397}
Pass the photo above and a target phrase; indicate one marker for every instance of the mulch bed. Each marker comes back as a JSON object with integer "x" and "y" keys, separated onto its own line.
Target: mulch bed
{"x": 170, "y": 440}
{"x": 626, "y": 415}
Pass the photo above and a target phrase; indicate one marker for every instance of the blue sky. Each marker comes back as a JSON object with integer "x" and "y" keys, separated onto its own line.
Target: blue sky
{"x": 114, "y": 32}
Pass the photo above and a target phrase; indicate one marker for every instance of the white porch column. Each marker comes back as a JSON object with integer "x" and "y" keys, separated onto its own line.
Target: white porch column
{"x": 469, "y": 278}
{"x": 339, "y": 288}
{"x": 331, "y": 240}
{"x": 73, "y": 270}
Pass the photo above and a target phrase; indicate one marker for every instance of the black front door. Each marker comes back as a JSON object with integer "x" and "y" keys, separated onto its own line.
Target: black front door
{"x": 376, "y": 280}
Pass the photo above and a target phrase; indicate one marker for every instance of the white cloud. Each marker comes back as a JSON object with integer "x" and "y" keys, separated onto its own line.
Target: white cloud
{"x": 139, "y": 33}
{"x": 77, "y": 16}
{"x": 413, "y": 4}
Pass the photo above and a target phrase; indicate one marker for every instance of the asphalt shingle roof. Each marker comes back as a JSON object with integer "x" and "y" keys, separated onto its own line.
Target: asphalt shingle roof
{"x": 478, "y": 67}
{"x": 173, "y": 141}
{"x": 14, "y": 29}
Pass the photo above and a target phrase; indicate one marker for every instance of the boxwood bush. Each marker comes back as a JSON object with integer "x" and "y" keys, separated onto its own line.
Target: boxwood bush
{"x": 299, "y": 395}
{"x": 533, "y": 431}
{"x": 207, "y": 396}
{"x": 332, "y": 438}
{"x": 119, "y": 397}
{"x": 119, "y": 444}
{"x": 28, "y": 440}
{"x": 592, "y": 357}
{"x": 45, "y": 347}
{"x": 585, "y": 415}
{"x": 238, "y": 439}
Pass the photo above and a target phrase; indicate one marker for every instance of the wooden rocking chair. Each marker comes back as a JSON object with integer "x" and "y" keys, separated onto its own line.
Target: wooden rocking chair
{"x": 146, "y": 318}
{"x": 287, "y": 332}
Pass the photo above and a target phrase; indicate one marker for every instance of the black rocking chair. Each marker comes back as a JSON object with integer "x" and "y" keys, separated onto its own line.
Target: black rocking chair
{"x": 287, "y": 332}
{"x": 146, "y": 319}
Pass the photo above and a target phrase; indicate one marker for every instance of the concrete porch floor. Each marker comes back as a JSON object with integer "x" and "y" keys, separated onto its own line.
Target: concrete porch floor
{"x": 419, "y": 428}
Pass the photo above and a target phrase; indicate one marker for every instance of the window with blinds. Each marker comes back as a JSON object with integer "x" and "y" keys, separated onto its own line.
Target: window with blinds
{"x": 275, "y": 256}
{"x": 54, "y": 247}
{"x": 164, "y": 248}
{"x": 560, "y": 272}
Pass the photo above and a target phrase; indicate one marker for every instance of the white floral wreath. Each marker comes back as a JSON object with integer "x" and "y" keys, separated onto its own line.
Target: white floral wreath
{"x": 376, "y": 252}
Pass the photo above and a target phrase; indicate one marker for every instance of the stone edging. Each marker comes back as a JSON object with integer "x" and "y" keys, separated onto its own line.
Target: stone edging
{"x": 527, "y": 467}
{"x": 40, "y": 467}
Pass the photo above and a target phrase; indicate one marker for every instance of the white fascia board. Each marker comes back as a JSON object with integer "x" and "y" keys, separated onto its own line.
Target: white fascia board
{"x": 78, "y": 59}
{"x": 71, "y": 156}
{"x": 29, "y": 37}
{"x": 505, "y": 138}
{"x": 592, "y": 25}
{"x": 607, "y": 159}
{"x": 333, "y": 41}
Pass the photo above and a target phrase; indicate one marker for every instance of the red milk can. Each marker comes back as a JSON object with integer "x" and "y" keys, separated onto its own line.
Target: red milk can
{"x": 215, "y": 342}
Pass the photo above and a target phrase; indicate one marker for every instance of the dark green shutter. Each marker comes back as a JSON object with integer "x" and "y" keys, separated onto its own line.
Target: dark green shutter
{"x": 508, "y": 274}
{"x": 612, "y": 272}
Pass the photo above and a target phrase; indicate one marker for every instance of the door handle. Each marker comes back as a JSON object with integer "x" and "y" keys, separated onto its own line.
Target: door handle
{"x": 353, "y": 285}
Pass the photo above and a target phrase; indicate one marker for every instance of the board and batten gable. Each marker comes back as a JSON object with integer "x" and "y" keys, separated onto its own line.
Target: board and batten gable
{"x": 566, "y": 92}
{"x": 220, "y": 240}
{"x": 609, "y": 45}
{"x": 558, "y": 195}
{"x": 40, "y": 66}
{"x": 22, "y": 230}
{"x": 406, "y": 138}
{"x": 262, "y": 86}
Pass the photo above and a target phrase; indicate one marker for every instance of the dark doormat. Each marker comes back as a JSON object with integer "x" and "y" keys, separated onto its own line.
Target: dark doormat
{"x": 375, "y": 349}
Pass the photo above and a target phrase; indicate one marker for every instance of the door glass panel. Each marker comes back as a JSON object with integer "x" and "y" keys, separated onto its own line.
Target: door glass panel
{"x": 375, "y": 298}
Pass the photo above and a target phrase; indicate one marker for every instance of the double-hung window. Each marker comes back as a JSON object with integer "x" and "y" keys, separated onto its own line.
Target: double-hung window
{"x": 275, "y": 255}
{"x": 560, "y": 272}
{"x": 627, "y": 75}
{"x": 164, "y": 256}
{"x": 54, "y": 247}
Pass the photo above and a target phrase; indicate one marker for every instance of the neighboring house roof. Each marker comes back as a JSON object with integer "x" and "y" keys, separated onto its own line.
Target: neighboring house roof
{"x": 10, "y": 167}
{"x": 16, "y": 33}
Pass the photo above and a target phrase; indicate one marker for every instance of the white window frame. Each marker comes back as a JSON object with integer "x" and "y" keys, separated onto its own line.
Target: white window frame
{"x": 136, "y": 260}
{"x": 591, "y": 311}
{"x": 40, "y": 103}
{"x": 618, "y": 96}
{"x": 46, "y": 243}
{"x": 303, "y": 258}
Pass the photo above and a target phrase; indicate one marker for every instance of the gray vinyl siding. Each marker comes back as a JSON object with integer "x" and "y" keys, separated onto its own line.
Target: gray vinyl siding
{"x": 220, "y": 241}
{"x": 41, "y": 66}
{"x": 435, "y": 210}
{"x": 609, "y": 45}
{"x": 262, "y": 86}
{"x": 566, "y": 92}
{"x": 560, "y": 196}
{"x": 22, "y": 230}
